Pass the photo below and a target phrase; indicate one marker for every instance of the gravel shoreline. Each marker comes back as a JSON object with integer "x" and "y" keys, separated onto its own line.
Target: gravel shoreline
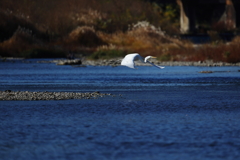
{"x": 117, "y": 62}
{"x": 9, "y": 95}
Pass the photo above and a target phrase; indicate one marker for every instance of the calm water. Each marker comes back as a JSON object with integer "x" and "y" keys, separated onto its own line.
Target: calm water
{"x": 174, "y": 113}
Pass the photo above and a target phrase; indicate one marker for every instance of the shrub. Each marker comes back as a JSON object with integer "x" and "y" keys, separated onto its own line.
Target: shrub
{"x": 21, "y": 40}
{"x": 165, "y": 57}
{"x": 43, "y": 53}
{"x": 141, "y": 37}
{"x": 84, "y": 36}
{"x": 10, "y": 23}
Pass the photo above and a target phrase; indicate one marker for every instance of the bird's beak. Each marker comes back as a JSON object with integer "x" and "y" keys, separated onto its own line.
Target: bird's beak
{"x": 153, "y": 57}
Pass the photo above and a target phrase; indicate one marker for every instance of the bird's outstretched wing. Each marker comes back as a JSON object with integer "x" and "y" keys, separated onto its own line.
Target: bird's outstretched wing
{"x": 128, "y": 60}
{"x": 155, "y": 65}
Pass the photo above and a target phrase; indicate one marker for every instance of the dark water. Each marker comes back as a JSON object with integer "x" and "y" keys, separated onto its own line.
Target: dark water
{"x": 174, "y": 113}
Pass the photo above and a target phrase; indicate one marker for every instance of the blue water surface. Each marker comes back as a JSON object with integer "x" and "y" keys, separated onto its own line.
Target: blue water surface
{"x": 173, "y": 113}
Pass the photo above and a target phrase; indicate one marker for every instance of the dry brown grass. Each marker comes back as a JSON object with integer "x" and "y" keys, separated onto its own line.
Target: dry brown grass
{"x": 21, "y": 40}
{"x": 58, "y": 22}
{"x": 114, "y": 26}
{"x": 148, "y": 40}
{"x": 142, "y": 37}
{"x": 59, "y": 17}
{"x": 224, "y": 52}
{"x": 84, "y": 36}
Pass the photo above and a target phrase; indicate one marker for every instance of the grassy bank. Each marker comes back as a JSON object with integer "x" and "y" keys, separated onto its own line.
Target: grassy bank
{"x": 101, "y": 29}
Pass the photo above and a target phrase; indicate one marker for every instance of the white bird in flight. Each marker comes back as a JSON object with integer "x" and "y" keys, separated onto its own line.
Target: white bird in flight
{"x": 129, "y": 59}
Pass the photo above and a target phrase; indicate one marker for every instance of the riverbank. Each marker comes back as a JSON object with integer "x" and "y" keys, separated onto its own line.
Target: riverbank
{"x": 30, "y": 96}
{"x": 117, "y": 62}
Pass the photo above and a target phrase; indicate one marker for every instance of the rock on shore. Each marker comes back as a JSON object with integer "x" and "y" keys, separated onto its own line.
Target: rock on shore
{"x": 29, "y": 96}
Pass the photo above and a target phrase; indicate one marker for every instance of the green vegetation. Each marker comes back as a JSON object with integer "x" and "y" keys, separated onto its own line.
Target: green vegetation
{"x": 42, "y": 53}
{"x": 165, "y": 57}
{"x": 107, "y": 54}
